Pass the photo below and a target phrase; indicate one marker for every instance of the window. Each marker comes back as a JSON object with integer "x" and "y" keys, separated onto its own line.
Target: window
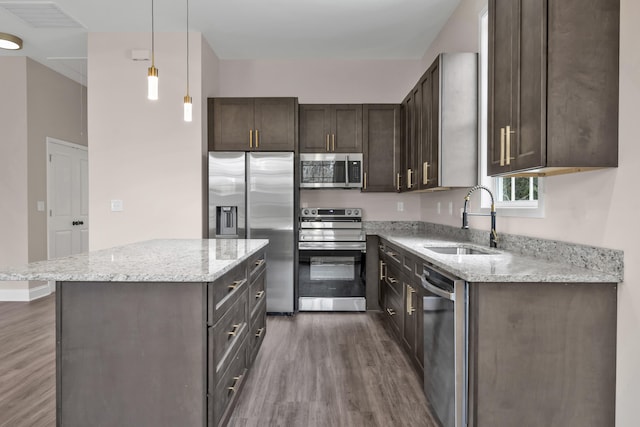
{"x": 514, "y": 196}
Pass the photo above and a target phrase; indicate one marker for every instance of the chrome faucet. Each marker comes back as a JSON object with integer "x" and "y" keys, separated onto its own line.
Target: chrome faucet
{"x": 493, "y": 236}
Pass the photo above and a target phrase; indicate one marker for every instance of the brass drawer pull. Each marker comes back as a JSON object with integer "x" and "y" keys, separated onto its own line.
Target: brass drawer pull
{"x": 382, "y": 275}
{"x": 409, "y": 178}
{"x": 259, "y": 294}
{"x": 502, "y": 137}
{"x": 327, "y": 142}
{"x": 393, "y": 280}
{"x": 410, "y": 292}
{"x": 236, "y": 284}
{"x": 234, "y": 331}
{"x": 391, "y": 312}
{"x": 398, "y": 181}
{"x": 425, "y": 173}
{"x": 259, "y": 262}
{"x": 259, "y": 332}
{"x": 236, "y": 381}
{"x": 257, "y": 139}
{"x": 333, "y": 141}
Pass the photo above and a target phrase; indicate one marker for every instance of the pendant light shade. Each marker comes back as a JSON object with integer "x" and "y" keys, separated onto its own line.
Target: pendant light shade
{"x": 152, "y": 74}
{"x": 188, "y": 109}
{"x": 188, "y": 104}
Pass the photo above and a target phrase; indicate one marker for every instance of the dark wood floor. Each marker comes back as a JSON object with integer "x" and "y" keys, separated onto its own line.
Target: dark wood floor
{"x": 313, "y": 370}
{"x": 27, "y": 363}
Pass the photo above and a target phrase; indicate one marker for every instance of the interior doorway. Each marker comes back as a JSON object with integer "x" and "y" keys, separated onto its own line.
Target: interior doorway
{"x": 67, "y": 199}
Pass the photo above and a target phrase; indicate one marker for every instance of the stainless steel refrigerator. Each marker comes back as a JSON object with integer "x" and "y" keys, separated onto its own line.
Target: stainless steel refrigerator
{"x": 251, "y": 196}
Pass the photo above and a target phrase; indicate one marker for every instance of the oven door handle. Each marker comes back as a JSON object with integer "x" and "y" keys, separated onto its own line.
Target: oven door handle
{"x": 438, "y": 291}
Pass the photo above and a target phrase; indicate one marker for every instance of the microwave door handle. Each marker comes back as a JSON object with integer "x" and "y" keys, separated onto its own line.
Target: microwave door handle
{"x": 346, "y": 171}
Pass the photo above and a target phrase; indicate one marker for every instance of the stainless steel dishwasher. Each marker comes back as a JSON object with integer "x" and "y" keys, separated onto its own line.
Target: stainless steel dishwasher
{"x": 445, "y": 346}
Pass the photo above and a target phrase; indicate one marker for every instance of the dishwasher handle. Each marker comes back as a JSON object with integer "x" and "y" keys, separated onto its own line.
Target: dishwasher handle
{"x": 437, "y": 290}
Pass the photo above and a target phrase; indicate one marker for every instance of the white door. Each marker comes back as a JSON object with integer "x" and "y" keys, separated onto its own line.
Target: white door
{"x": 68, "y": 198}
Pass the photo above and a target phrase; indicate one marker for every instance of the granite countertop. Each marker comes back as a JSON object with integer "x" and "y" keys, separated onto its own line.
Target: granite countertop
{"x": 167, "y": 260}
{"x": 499, "y": 266}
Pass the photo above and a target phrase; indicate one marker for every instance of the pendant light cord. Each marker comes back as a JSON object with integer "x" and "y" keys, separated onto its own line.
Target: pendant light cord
{"x": 187, "y": 47}
{"x": 152, "y": 38}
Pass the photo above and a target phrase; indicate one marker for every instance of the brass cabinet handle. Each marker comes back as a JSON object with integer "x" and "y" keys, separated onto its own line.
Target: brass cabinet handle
{"x": 259, "y": 332}
{"x": 259, "y": 262}
{"x": 409, "y": 178}
{"x": 393, "y": 280}
{"x": 234, "y": 331}
{"x": 257, "y": 139}
{"x": 382, "y": 275}
{"x": 259, "y": 294}
{"x": 391, "y": 311}
{"x": 236, "y": 284}
{"x": 502, "y": 136}
{"x": 508, "y": 133}
{"x": 333, "y": 142}
{"x": 410, "y": 292}
{"x": 364, "y": 187}
{"x": 398, "y": 181}
{"x": 425, "y": 173}
{"x": 327, "y": 142}
{"x": 250, "y": 138}
{"x": 236, "y": 381}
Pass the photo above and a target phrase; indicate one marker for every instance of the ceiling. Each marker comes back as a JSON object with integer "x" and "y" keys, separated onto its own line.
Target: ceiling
{"x": 235, "y": 29}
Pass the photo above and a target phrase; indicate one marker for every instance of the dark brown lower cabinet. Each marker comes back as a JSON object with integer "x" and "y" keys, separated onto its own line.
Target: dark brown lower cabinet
{"x": 542, "y": 354}
{"x": 157, "y": 354}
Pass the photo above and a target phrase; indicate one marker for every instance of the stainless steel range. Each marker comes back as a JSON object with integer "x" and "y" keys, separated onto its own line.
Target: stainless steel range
{"x": 331, "y": 273}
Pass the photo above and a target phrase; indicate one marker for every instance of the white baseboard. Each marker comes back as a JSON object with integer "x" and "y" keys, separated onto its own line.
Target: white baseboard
{"x": 26, "y": 294}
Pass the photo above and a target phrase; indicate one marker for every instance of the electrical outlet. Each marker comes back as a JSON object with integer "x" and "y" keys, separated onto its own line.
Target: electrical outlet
{"x": 400, "y": 206}
{"x": 451, "y": 208}
{"x": 439, "y": 208}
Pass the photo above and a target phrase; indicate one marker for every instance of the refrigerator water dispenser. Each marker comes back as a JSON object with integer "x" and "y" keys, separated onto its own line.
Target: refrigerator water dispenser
{"x": 226, "y": 220}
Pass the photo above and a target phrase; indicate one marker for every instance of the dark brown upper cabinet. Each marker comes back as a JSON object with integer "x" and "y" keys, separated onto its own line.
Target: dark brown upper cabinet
{"x": 553, "y": 86}
{"x": 440, "y": 126}
{"x": 252, "y": 124}
{"x": 381, "y": 146}
{"x": 335, "y": 128}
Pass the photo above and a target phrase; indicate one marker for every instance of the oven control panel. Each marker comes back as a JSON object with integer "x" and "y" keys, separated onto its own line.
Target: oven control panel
{"x": 331, "y": 212}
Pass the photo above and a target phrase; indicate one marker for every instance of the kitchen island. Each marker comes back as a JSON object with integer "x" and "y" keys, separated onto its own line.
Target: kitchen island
{"x": 157, "y": 333}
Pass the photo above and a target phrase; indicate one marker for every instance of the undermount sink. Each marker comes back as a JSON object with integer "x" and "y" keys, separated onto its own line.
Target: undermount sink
{"x": 458, "y": 250}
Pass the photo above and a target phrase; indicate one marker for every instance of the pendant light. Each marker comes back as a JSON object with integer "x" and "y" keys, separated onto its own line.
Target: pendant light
{"x": 188, "y": 105}
{"x": 152, "y": 75}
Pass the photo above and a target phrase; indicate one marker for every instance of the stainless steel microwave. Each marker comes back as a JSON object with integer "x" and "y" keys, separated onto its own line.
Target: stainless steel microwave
{"x": 331, "y": 170}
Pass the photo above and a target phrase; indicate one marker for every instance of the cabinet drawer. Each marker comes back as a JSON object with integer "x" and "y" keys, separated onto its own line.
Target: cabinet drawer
{"x": 393, "y": 279}
{"x": 226, "y": 335}
{"x": 226, "y": 391}
{"x": 392, "y": 254}
{"x": 393, "y": 308}
{"x": 224, "y": 291}
{"x": 257, "y": 331}
{"x": 256, "y": 265}
{"x": 257, "y": 292}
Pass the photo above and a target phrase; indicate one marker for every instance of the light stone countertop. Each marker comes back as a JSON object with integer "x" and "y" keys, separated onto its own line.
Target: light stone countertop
{"x": 166, "y": 260}
{"x": 500, "y": 266}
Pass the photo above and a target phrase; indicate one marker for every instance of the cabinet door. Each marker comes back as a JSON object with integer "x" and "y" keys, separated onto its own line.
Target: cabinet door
{"x": 412, "y": 104}
{"x": 274, "y": 126}
{"x": 232, "y": 124}
{"x": 381, "y": 146}
{"x": 430, "y": 127}
{"x": 346, "y": 128}
{"x": 517, "y": 86}
{"x": 315, "y": 128}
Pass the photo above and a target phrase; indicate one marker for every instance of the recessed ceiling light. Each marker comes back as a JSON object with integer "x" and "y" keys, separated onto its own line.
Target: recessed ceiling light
{"x": 10, "y": 42}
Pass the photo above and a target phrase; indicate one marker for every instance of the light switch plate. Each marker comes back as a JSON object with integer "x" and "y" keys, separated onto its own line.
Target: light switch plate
{"x": 40, "y": 206}
{"x": 117, "y": 206}
{"x": 400, "y": 206}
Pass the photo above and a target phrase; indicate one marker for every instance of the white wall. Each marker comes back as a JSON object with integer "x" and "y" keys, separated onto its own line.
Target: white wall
{"x": 597, "y": 208}
{"x": 14, "y": 248}
{"x": 141, "y": 151}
